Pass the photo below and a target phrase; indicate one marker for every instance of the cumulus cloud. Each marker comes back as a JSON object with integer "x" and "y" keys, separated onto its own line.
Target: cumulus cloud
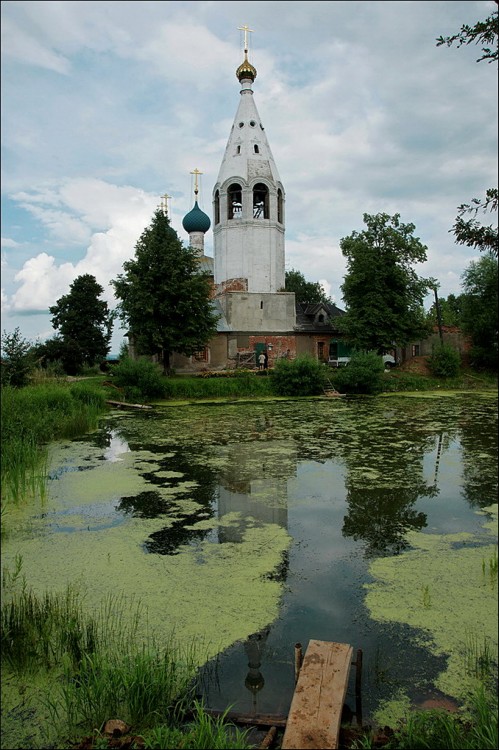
{"x": 85, "y": 206}
{"x": 108, "y": 105}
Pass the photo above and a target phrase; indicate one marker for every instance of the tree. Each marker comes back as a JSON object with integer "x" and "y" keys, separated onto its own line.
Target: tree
{"x": 480, "y": 310}
{"x": 57, "y": 352}
{"x": 17, "y": 359}
{"x": 84, "y": 321}
{"x": 382, "y": 292}
{"x": 470, "y": 232}
{"x": 305, "y": 291}
{"x": 483, "y": 32}
{"x": 450, "y": 311}
{"x": 164, "y": 298}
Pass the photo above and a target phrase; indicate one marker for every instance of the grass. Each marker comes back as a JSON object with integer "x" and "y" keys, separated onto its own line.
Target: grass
{"x": 240, "y": 385}
{"x": 97, "y": 669}
{"x": 398, "y": 380}
{"x": 491, "y": 568}
{"x": 141, "y": 685}
{"x": 203, "y": 732}
{"x": 233, "y": 384}
{"x": 31, "y": 418}
{"x": 479, "y": 657}
{"x": 475, "y": 727}
{"x": 437, "y": 729}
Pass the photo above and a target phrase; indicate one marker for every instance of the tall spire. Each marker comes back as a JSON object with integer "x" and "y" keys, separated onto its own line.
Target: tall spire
{"x": 248, "y": 202}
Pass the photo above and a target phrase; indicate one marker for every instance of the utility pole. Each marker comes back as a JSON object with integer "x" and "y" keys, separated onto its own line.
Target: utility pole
{"x": 434, "y": 285}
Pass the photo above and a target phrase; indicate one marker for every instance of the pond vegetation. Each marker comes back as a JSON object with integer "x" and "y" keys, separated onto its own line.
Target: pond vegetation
{"x": 243, "y": 528}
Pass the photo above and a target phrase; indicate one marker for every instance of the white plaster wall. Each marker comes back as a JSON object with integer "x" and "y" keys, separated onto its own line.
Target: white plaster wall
{"x": 253, "y": 251}
{"x": 259, "y": 312}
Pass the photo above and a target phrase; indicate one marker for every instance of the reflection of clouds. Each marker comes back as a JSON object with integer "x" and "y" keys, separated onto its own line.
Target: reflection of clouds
{"x": 117, "y": 446}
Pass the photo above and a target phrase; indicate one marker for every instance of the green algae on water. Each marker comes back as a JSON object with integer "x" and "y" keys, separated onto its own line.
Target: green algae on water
{"x": 439, "y": 588}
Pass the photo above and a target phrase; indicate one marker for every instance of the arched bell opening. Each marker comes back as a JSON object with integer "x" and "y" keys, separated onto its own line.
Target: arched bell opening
{"x": 217, "y": 207}
{"x": 260, "y": 201}
{"x": 234, "y": 202}
{"x": 280, "y": 207}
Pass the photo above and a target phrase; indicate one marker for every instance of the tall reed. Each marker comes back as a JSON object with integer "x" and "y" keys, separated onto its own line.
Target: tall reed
{"x": 96, "y": 665}
{"x": 203, "y": 732}
{"x": 33, "y": 416}
{"x": 144, "y": 686}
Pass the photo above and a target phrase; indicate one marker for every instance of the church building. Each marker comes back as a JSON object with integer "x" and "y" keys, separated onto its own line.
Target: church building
{"x": 248, "y": 268}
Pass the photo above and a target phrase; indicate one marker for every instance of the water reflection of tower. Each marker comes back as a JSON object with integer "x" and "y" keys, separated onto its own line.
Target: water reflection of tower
{"x": 255, "y": 485}
{"x": 254, "y": 648}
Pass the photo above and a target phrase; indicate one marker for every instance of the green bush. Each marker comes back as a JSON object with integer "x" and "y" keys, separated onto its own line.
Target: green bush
{"x": 303, "y": 376}
{"x": 140, "y": 378}
{"x": 444, "y": 362}
{"x": 363, "y": 374}
{"x": 17, "y": 359}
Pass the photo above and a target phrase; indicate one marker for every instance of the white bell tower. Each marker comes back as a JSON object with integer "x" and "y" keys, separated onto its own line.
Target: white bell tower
{"x": 248, "y": 202}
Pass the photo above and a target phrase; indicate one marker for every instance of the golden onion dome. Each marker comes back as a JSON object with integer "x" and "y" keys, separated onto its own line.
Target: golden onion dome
{"x": 246, "y": 70}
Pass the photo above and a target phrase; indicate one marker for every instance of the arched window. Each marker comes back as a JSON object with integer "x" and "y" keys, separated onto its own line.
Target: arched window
{"x": 217, "y": 207}
{"x": 279, "y": 207}
{"x": 260, "y": 201}
{"x": 256, "y": 149}
{"x": 234, "y": 202}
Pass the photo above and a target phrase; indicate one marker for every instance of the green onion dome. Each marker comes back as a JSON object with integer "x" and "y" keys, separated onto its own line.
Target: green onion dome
{"x": 196, "y": 220}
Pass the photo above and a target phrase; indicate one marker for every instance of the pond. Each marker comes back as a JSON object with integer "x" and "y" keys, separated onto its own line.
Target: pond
{"x": 248, "y": 527}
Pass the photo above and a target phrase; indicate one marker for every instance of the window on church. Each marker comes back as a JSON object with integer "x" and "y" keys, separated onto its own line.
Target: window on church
{"x": 320, "y": 318}
{"x": 203, "y": 355}
{"x": 217, "y": 207}
{"x": 279, "y": 207}
{"x": 234, "y": 202}
{"x": 257, "y": 150}
{"x": 260, "y": 201}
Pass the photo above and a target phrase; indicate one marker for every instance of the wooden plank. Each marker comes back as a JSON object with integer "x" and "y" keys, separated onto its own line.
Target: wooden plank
{"x": 255, "y": 720}
{"x": 124, "y": 405}
{"x": 315, "y": 713}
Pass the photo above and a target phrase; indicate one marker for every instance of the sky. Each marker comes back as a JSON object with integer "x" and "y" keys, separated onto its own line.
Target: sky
{"x": 107, "y": 106}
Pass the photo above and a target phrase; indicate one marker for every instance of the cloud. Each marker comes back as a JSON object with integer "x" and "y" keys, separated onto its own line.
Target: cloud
{"x": 85, "y": 206}
{"x": 120, "y": 102}
{"x": 7, "y": 242}
{"x": 25, "y": 48}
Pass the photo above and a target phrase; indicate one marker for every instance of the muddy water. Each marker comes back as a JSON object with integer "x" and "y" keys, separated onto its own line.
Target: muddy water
{"x": 250, "y": 527}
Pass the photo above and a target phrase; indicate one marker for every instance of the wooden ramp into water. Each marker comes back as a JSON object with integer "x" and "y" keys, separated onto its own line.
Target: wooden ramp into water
{"x": 330, "y": 391}
{"x": 315, "y": 714}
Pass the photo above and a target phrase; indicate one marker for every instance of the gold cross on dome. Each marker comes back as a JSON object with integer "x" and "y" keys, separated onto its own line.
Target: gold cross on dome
{"x": 195, "y": 172}
{"x": 245, "y": 28}
{"x": 164, "y": 203}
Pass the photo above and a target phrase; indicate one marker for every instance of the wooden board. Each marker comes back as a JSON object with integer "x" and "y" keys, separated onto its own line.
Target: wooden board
{"x": 315, "y": 713}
